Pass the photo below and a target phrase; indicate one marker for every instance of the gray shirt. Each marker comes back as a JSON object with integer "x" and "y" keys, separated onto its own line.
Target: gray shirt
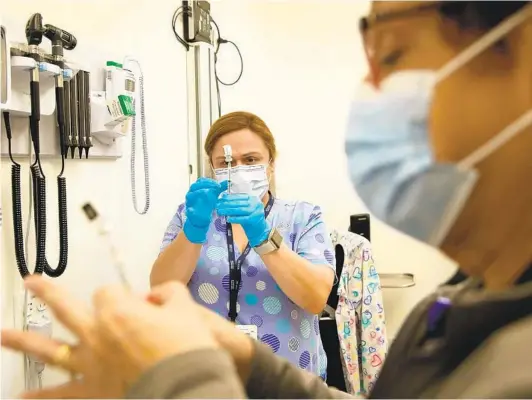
{"x": 480, "y": 348}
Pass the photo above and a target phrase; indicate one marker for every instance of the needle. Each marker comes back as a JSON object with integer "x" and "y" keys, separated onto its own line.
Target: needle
{"x": 105, "y": 232}
{"x": 228, "y": 153}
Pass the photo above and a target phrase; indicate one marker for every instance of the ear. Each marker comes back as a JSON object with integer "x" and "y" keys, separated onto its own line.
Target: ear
{"x": 271, "y": 169}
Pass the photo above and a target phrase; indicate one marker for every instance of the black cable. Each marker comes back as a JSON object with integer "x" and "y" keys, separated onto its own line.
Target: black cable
{"x": 241, "y": 64}
{"x": 177, "y": 13}
{"x": 39, "y": 204}
{"x": 60, "y": 111}
{"x": 39, "y": 183}
{"x": 17, "y": 212}
{"x": 39, "y": 207}
{"x": 185, "y": 10}
{"x": 219, "y": 41}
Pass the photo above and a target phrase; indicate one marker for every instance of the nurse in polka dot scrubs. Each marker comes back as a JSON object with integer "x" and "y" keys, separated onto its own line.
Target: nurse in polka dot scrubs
{"x": 282, "y": 293}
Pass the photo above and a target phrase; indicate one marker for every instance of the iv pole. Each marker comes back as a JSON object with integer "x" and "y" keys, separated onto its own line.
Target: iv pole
{"x": 201, "y": 94}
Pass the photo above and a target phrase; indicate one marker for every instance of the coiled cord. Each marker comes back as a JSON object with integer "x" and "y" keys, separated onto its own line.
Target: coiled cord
{"x": 144, "y": 147}
{"x": 39, "y": 184}
{"x": 18, "y": 231}
{"x": 17, "y": 226}
{"x": 39, "y": 204}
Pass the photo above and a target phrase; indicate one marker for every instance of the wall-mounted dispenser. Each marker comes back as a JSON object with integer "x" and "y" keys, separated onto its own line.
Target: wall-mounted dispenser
{"x": 114, "y": 114}
{"x": 112, "y": 109}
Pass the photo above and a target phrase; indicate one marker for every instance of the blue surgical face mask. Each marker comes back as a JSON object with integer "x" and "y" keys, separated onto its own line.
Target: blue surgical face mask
{"x": 390, "y": 157}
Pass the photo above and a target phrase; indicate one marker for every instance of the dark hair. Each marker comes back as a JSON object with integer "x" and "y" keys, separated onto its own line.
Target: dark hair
{"x": 480, "y": 15}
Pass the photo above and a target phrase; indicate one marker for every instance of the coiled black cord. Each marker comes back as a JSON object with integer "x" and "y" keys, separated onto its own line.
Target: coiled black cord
{"x": 39, "y": 204}
{"x": 17, "y": 212}
{"x": 39, "y": 184}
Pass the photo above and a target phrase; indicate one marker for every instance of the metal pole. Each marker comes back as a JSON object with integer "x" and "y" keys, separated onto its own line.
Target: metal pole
{"x": 201, "y": 112}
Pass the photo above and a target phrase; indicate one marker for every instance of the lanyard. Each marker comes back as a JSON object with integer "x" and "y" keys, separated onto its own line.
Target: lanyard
{"x": 235, "y": 266}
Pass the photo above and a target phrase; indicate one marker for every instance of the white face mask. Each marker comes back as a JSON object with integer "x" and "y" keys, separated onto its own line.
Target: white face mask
{"x": 246, "y": 179}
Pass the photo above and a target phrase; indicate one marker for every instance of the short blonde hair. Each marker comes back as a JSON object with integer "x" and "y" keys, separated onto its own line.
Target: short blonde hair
{"x": 233, "y": 122}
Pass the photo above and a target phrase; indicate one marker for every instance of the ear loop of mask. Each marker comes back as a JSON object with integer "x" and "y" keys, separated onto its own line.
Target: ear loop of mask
{"x": 467, "y": 55}
{"x": 484, "y": 43}
{"x": 497, "y": 141}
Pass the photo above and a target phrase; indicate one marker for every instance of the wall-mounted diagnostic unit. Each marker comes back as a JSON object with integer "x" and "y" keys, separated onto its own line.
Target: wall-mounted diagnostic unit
{"x": 50, "y": 110}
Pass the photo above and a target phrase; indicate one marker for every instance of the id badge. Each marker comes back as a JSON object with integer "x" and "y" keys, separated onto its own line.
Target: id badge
{"x": 250, "y": 330}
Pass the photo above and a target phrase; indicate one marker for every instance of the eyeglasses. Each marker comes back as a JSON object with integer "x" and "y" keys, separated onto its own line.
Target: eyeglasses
{"x": 367, "y": 22}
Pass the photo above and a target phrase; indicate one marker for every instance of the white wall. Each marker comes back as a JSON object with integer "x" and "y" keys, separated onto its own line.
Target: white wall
{"x": 108, "y": 30}
{"x": 299, "y": 71}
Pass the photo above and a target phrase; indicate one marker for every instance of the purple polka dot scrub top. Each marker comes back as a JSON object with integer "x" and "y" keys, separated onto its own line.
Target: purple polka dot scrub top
{"x": 290, "y": 331}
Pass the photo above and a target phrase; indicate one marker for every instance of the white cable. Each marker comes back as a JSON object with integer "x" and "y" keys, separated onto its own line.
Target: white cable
{"x": 27, "y": 372}
{"x": 498, "y": 141}
{"x": 144, "y": 144}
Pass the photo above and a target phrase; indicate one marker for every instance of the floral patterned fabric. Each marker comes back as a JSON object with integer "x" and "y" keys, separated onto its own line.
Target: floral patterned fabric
{"x": 359, "y": 315}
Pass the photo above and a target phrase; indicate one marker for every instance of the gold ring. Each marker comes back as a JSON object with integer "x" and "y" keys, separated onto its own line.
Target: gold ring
{"x": 62, "y": 355}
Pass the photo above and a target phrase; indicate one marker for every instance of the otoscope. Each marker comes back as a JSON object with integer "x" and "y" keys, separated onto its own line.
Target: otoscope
{"x": 60, "y": 40}
{"x": 34, "y": 32}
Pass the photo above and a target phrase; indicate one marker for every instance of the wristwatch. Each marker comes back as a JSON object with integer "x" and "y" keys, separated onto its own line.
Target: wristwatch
{"x": 273, "y": 243}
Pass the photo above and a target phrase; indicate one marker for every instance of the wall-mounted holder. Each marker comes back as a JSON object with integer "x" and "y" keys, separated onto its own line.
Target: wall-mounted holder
{"x": 5, "y": 68}
{"x": 18, "y": 102}
{"x": 103, "y": 127}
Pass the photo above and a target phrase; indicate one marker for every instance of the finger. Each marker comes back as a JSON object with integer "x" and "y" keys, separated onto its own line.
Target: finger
{"x": 224, "y": 203}
{"x": 204, "y": 183}
{"x": 111, "y": 296}
{"x": 237, "y": 220}
{"x": 233, "y": 211}
{"x": 234, "y": 197}
{"x": 223, "y": 186}
{"x": 74, "y": 314}
{"x": 40, "y": 347}
{"x": 69, "y": 390}
{"x": 167, "y": 292}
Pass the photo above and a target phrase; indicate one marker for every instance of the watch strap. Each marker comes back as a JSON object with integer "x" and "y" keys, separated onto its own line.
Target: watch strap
{"x": 273, "y": 243}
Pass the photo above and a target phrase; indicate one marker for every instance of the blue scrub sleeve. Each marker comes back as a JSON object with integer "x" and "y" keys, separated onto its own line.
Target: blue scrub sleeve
{"x": 174, "y": 227}
{"x": 315, "y": 244}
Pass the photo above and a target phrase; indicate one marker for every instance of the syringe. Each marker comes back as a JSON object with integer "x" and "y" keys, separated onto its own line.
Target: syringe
{"x": 228, "y": 153}
{"x": 105, "y": 231}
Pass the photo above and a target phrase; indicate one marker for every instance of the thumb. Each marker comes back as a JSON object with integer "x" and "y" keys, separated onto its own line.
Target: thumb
{"x": 167, "y": 293}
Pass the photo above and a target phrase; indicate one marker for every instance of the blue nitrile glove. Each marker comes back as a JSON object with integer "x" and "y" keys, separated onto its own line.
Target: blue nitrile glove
{"x": 247, "y": 211}
{"x": 200, "y": 202}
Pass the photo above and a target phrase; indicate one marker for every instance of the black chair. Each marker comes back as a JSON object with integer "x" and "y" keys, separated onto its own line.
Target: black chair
{"x": 329, "y": 333}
